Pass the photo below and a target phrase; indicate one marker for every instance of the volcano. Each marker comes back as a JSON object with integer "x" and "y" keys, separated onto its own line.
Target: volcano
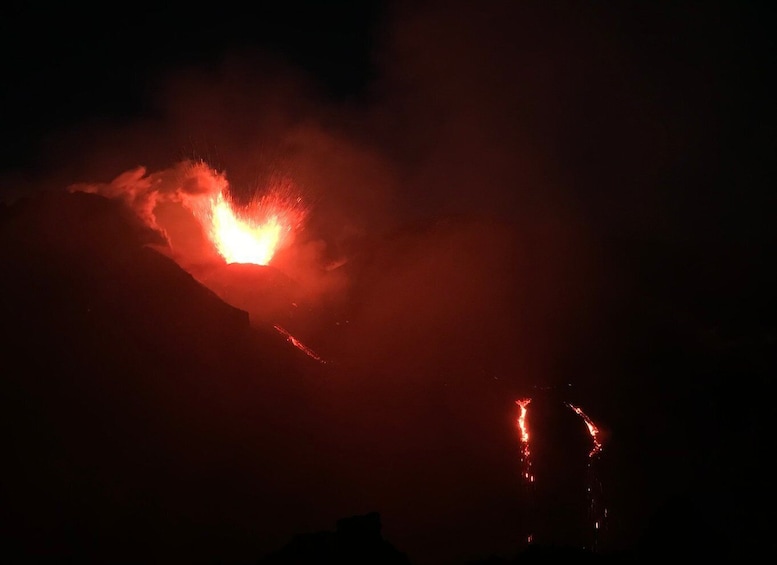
{"x": 266, "y": 293}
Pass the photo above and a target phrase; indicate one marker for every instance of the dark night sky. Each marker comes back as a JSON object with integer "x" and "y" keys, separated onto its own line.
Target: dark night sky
{"x": 64, "y": 64}
{"x": 528, "y": 195}
{"x": 680, "y": 93}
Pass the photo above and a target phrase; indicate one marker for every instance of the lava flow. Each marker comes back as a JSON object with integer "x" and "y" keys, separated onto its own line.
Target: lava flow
{"x": 524, "y": 431}
{"x": 597, "y": 513}
{"x": 592, "y": 429}
{"x": 298, "y": 344}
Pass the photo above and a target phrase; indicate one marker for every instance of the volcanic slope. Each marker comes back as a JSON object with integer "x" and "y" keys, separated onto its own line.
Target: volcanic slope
{"x": 144, "y": 417}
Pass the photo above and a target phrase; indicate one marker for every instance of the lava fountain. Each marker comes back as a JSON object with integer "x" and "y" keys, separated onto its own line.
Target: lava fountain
{"x": 256, "y": 232}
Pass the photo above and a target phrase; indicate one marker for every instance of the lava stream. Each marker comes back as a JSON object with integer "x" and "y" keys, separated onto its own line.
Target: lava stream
{"x": 592, "y": 429}
{"x": 597, "y": 512}
{"x": 524, "y": 431}
{"x": 298, "y": 344}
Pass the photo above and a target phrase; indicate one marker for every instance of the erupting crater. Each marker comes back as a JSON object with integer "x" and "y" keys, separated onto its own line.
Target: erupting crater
{"x": 226, "y": 243}
{"x": 255, "y": 232}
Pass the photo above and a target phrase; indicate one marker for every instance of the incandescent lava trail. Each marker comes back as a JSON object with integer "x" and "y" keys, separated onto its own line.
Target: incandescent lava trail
{"x": 592, "y": 429}
{"x": 523, "y": 429}
{"x": 597, "y": 513}
{"x": 299, "y": 345}
{"x": 526, "y": 470}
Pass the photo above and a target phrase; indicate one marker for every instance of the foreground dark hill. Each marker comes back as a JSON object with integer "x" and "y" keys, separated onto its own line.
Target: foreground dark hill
{"x": 356, "y": 540}
{"x": 143, "y": 417}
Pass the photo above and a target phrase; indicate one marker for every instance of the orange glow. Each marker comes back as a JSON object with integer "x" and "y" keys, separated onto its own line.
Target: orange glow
{"x": 592, "y": 429}
{"x": 254, "y": 233}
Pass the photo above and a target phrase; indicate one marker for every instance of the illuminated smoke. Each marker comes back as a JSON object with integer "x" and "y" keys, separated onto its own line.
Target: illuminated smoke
{"x": 298, "y": 344}
{"x": 188, "y": 183}
{"x": 248, "y": 233}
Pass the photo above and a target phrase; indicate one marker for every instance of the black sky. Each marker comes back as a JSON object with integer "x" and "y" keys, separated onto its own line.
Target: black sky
{"x": 529, "y": 194}
{"x": 63, "y": 64}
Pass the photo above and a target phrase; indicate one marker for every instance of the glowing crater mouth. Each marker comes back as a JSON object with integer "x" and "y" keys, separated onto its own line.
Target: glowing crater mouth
{"x": 254, "y": 233}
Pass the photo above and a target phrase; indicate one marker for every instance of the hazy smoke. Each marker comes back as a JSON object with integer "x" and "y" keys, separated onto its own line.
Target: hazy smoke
{"x": 184, "y": 183}
{"x": 439, "y": 219}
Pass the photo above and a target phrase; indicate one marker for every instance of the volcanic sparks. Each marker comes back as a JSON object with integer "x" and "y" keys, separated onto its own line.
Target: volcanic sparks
{"x": 255, "y": 233}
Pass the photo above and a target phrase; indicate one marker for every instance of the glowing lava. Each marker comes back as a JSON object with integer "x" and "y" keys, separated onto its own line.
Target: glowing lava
{"x": 592, "y": 429}
{"x": 524, "y": 431}
{"x": 256, "y": 232}
{"x": 597, "y": 512}
{"x": 298, "y": 344}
